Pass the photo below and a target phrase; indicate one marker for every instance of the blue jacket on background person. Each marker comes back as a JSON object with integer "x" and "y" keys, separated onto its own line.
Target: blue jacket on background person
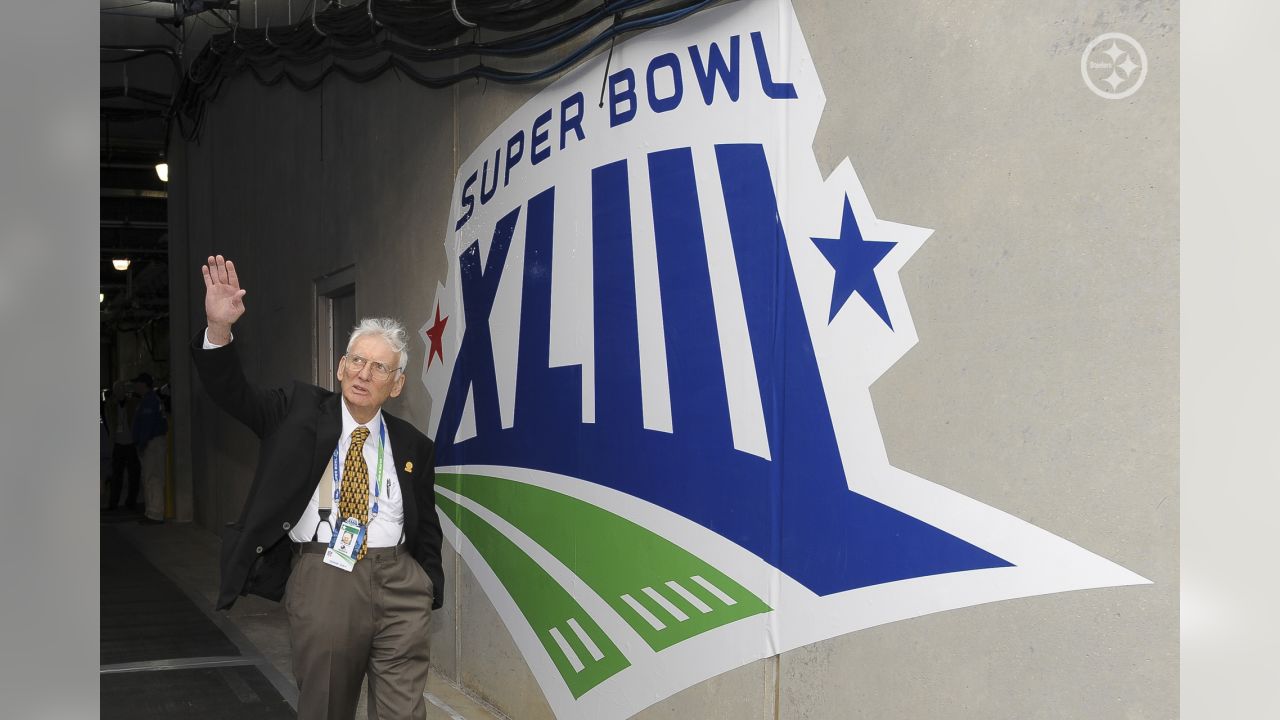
{"x": 149, "y": 422}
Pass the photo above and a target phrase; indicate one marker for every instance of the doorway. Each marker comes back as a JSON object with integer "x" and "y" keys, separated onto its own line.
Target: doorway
{"x": 335, "y": 317}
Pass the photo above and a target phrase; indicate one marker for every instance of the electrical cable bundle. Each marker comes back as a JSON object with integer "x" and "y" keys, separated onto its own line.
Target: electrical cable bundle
{"x": 361, "y": 42}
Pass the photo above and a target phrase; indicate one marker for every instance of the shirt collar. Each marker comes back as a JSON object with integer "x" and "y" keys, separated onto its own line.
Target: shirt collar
{"x": 349, "y": 423}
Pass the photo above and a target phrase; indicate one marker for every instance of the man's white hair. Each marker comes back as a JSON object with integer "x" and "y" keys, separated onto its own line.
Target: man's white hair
{"x": 388, "y": 329}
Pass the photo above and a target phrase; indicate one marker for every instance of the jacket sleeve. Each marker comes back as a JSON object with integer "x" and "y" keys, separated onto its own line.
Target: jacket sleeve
{"x": 430, "y": 535}
{"x": 261, "y": 410}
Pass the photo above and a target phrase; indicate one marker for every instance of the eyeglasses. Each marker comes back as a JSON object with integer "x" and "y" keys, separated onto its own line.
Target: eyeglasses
{"x": 356, "y": 365}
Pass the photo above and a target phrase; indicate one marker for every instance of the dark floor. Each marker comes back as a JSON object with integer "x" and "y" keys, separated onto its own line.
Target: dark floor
{"x": 165, "y": 653}
{"x": 215, "y": 693}
{"x": 144, "y": 616}
{"x": 164, "y": 657}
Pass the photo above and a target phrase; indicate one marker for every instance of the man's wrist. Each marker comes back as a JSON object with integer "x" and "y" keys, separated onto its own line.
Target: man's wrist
{"x": 218, "y": 334}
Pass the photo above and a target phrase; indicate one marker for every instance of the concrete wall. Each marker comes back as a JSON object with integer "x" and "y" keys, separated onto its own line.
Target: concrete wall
{"x": 1044, "y": 382}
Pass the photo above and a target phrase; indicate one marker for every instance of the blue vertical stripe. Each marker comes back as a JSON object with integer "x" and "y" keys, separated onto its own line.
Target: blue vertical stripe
{"x": 694, "y": 368}
{"x": 542, "y": 391}
{"x": 617, "y": 344}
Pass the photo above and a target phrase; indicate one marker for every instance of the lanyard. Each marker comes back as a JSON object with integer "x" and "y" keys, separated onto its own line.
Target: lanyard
{"x": 377, "y": 486}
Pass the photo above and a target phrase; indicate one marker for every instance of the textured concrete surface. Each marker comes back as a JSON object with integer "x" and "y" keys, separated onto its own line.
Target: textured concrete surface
{"x": 1045, "y": 379}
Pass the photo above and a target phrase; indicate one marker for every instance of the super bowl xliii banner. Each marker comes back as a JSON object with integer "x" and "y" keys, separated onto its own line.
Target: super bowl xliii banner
{"x": 649, "y": 371}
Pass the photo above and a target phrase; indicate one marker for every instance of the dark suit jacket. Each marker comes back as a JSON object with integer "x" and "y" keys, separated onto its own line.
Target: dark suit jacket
{"x": 299, "y": 429}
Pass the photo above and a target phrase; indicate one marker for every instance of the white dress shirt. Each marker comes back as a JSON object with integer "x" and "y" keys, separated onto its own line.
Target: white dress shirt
{"x": 387, "y": 527}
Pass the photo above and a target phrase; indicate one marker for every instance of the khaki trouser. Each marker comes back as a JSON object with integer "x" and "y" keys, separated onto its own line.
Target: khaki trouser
{"x": 344, "y": 625}
{"x": 153, "y": 457}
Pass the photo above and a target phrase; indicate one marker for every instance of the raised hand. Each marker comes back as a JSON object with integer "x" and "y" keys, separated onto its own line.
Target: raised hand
{"x": 223, "y": 298}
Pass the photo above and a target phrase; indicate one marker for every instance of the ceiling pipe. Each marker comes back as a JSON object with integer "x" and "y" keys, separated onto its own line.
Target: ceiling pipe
{"x": 137, "y": 52}
{"x": 138, "y": 224}
{"x": 111, "y": 165}
{"x": 127, "y": 193}
{"x": 117, "y": 251}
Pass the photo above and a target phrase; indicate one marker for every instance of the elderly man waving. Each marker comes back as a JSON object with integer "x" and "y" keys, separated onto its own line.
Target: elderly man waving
{"x": 340, "y": 520}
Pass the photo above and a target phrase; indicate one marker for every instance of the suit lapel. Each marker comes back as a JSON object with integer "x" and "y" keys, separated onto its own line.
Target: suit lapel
{"x": 328, "y": 428}
{"x": 406, "y": 468}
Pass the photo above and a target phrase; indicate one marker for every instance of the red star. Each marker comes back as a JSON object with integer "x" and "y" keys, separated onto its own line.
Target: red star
{"x": 436, "y": 336}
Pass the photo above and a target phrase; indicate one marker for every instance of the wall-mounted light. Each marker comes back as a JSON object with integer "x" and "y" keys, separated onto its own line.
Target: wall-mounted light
{"x": 101, "y": 296}
{"x": 120, "y": 264}
{"x": 162, "y": 170}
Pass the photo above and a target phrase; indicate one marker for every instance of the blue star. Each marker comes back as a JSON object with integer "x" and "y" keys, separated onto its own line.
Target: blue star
{"x": 854, "y": 260}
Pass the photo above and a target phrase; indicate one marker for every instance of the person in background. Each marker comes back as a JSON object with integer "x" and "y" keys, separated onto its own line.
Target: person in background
{"x": 149, "y": 430}
{"x": 121, "y": 406}
{"x": 104, "y": 450}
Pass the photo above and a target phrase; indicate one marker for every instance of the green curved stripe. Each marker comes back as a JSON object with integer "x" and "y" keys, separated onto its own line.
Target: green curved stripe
{"x": 542, "y": 601}
{"x": 615, "y": 557}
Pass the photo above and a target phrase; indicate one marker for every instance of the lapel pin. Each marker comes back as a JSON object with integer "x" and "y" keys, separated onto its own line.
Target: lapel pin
{"x": 408, "y": 467}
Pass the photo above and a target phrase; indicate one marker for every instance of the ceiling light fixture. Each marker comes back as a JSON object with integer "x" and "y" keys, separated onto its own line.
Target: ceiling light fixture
{"x": 162, "y": 170}
{"x": 120, "y": 264}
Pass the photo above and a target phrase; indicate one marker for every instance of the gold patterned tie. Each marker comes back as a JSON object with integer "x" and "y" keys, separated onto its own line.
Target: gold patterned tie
{"x": 354, "y": 499}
